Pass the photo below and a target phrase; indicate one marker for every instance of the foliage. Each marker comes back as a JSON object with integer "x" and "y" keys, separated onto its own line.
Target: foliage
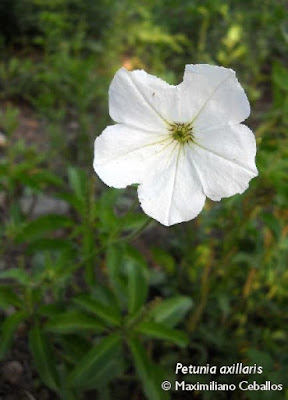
{"x": 103, "y": 308}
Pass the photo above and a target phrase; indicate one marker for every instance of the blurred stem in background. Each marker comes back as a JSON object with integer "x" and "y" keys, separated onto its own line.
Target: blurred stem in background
{"x": 204, "y": 293}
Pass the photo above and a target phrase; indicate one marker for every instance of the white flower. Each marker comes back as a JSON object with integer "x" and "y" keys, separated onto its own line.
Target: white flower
{"x": 180, "y": 143}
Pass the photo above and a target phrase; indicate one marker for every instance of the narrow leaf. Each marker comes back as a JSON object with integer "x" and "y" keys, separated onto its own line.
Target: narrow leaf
{"x": 171, "y": 311}
{"x": 72, "y": 321}
{"x": 8, "y": 330}
{"x": 8, "y": 298}
{"x": 91, "y": 366}
{"x": 137, "y": 287}
{"x": 46, "y": 244}
{"x": 114, "y": 260}
{"x": 159, "y": 331}
{"x": 19, "y": 275}
{"x": 43, "y": 357}
{"x": 146, "y": 371}
{"x": 78, "y": 182}
{"x": 42, "y": 225}
{"x": 105, "y": 312}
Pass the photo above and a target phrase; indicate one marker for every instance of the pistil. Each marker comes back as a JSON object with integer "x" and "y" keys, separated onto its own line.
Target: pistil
{"x": 182, "y": 132}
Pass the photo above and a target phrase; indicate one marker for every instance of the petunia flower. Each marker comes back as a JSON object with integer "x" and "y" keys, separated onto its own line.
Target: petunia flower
{"x": 180, "y": 143}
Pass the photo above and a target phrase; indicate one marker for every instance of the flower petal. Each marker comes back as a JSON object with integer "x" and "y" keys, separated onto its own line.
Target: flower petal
{"x": 141, "y": 100}
{"x": 234, "y": 142}
{"x": 174, "y": 193}
{"x": 122, "y": 155}
{"x": 225, "y": 160}
{"x": 212, "y": 96}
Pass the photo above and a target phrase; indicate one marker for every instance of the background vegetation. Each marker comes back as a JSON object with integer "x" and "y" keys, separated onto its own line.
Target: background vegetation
{"x": 89, "y": 307}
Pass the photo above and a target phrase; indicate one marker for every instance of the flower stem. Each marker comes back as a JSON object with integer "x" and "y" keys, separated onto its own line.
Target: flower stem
{"x": 133, "y": 235}
{"x": 195, "y": 318}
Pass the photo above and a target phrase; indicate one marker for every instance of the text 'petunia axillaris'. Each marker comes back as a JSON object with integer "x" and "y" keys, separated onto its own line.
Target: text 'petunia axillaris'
{"x": 180, "y": 143}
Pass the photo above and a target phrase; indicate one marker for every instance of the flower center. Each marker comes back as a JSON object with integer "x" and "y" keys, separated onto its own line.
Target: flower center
{"x": 181, "y": 131}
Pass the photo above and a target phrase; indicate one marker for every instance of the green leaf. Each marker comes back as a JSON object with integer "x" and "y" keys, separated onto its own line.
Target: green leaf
{"x": 43, "y": 357}
{"x": 285, "y": 112}
{"x": 74, "y": 346}
{"x": 73, "y": 200}
{"x": 171, "y": 311}
{"x": 272, "y": 223}
{"x": 37, "y": 180}
{"x": 103, "y": 311}
{"x": 159, "y": 331}
{"x": 78, "y": 182}
{"x": 42, "y": 225}
{"x": 8, "y": 329}
{"x": 147, "y": 372}
{"x": 96, "y": 363}
{"x": 9, "y": 118}
{"x": 106, "y": 295}
{"x": 8, "y": 298}
{"x": 164, "y": 259}
{"x": 280, "y": 76}
{"x": 112, "y": 369}
{"x": 72, "y": 321}
{"x": 114, "y": 259}
{"x": 47, "y": 244}
{"x": 137, "y": 287}
{"x": 47, "y": 177}
{"x": 49, "y": 310}
{"x": 19, "y": 275}
{"x": 105, "y": 210}
{"x": 262, "y": 358}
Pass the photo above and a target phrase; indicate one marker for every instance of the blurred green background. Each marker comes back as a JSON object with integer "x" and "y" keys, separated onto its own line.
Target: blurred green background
{"x": 96, "y": 304}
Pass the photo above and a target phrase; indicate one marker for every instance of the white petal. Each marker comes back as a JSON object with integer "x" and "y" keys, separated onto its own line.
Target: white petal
{"x": 225, "y": 160}
{"x": 212, "y": 96}
{"x": 234, "y": 142}
{"x": 174, "y": 193}
{"x": 141, "y": 100}
{"x": 122, "y": 155}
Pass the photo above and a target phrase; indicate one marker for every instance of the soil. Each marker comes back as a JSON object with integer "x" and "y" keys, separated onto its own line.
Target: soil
{"x": 18, "y": 379}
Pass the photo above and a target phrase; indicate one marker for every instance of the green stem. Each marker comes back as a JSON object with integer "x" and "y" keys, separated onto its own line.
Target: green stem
{"x": 133, "y": 235}
{"x": 128, "y": 238}
{"x": 203, "y": 299}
